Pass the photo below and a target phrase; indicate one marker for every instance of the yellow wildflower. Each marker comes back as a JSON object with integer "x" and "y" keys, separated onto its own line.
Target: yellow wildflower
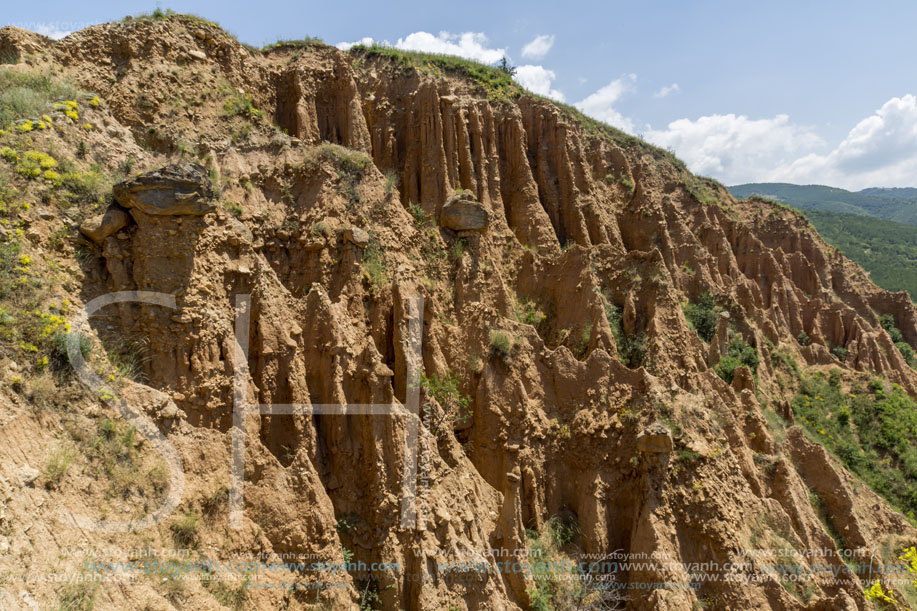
{"x": 875, "y": 592}
{"x": 9, "y": 154}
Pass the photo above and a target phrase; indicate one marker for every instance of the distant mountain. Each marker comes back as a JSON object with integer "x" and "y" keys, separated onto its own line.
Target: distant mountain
{"x": 899, "y": 204}
{"x": 907, "y": 192}
{"x": 860, "y": 224}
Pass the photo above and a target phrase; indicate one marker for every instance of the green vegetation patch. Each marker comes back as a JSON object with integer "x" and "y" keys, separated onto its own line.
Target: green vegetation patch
{"x": 885, "y": 249}
{"x": 872, "y": 430}
{"x": 702, "y": 316}
{"x": 26, "y": 96}
{"x": 738, "y": 353}
{"x": 299, "y": 43}
{"x": 496, "y": 83}
{"x": 888, "y": 323}
{"x": 455, "y": 405}
{"x": 631, "y": 348}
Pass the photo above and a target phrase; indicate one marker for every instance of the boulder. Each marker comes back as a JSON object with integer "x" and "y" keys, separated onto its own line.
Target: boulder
{"x": 181, "y": 188}
{"x": 100, "y": 226}
{"x": 356, "y": 236}
{"x": 462, "y": 212}
{"x": 28, "y": 474}
{"x": 655, "y": 439}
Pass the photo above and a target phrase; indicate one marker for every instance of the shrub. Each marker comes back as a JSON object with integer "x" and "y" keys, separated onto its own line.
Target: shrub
{"x": 242, "y": 106}
{"x": 803, "y": 338}
{"x": 726, "y": 368}
{"x": 906, "y": 351}
{"x": 457, "y": 252}
{"x": 57, "y": 466}
{"x": 308, "y": 41}
{"x": 504, "y": 66}
{"x": 319, "y": 229}
{"x": 582, "y": 344}
{"x": 527, "y": 312}
{"x": 77, "y": 596}
{"x": 421, "y": 218}
{"x": 887, "y": 321}
{"x": 59, "y": 347}
{"x": 702, "y": 316}
{"x": 840, "y": 353}
{"x": 351, "y": 162}
{"x": 738, "y": 353}
{"x": 444, "y": 389}
{"x": 374, "y": 266}
{"x": 631, "y": 349}
{"x": 43, "y": 389}
{"x": 233, "y": 208}
{"x": 184, "y": 529}
{"x": 501, "y": 343}
{"x": 746, "y": 354}
{"x": 391, "y": 182}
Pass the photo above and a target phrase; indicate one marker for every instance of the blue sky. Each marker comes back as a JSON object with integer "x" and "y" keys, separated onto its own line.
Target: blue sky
{"x": 809, "y": 92}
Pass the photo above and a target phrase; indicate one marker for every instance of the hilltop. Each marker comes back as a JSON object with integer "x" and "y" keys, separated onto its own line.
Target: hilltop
{"x": 897, "y": 205}
{"x": 608, "y": 357}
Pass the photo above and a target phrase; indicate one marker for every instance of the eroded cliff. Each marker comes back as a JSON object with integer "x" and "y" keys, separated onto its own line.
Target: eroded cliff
{"x": 562, "y": 383}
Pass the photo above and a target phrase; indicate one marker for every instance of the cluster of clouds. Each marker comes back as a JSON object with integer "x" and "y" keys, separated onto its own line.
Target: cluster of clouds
{"x": 474, "y": 45}
{"x": 881, "y": 150}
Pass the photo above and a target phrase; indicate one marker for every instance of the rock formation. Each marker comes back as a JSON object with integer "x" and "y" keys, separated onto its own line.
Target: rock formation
{"x": 545, "y": 261}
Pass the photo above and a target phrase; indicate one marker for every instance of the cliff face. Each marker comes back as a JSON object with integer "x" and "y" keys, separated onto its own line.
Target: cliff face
{"x": 590, "y": 397}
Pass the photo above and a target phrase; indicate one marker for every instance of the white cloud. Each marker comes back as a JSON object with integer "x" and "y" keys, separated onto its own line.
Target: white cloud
{"x": 367, "y": 41}
{"x": 667, "y": 90}
{"x": 473, "y": 45}
{"x": 538, "y": 47}
{"x": 880, "y": 151}
{"x": 51, "y": 30}
{"x": 734, "y": 148}
{"x": 538, "y": 79}
{"x": 599, "y": 105}
{"x": 470, "y": 45}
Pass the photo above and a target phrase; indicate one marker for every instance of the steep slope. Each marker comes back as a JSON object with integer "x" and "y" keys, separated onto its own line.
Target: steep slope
{"x": 569, "y": 409}
{"x": 883, "y": 247}
{"x": 887, "y": 250}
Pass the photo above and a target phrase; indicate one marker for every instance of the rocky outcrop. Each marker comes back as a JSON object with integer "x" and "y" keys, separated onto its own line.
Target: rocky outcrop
{"x": 462, "y": 213}
{"x": 656, "y": 439}
{"x": 178, "y": 189}
{"x": 100, "y": 226}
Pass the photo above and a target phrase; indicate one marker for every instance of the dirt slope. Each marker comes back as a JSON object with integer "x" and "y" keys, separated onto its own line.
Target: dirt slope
{"x": 596, "y": 425}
